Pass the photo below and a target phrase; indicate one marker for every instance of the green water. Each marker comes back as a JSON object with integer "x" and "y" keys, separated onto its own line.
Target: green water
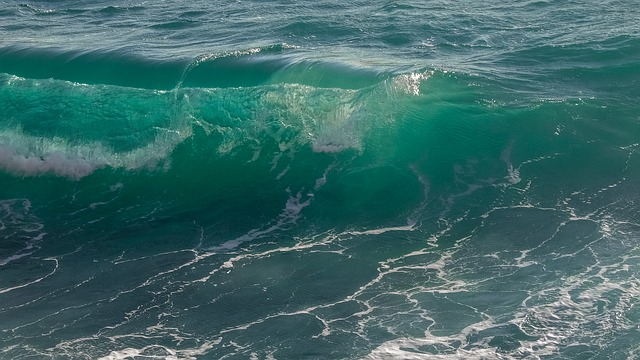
{"x": 265, "y": 181}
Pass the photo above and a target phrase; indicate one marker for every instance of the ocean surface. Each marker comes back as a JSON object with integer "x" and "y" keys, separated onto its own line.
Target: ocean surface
{"x": 322, "y": 179}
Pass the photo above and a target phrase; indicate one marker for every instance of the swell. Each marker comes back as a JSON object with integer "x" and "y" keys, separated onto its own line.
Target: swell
{"x": 90, "y": 67}
{"x": 607, "y": 68}
{"x": 244, "y": 68}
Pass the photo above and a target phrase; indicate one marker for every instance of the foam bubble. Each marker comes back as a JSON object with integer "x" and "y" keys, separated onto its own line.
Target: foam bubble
{"x": 151, "y": 352}
{"x": 410, "y": 83}
{"x": 28, "y": 155}
{"x": 406, "y": 349}
{"x": 56, "y": 162}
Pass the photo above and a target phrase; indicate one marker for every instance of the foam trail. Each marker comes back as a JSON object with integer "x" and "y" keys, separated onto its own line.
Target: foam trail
{"x": 6, "y": 290}
{"x": 289, "y": 215}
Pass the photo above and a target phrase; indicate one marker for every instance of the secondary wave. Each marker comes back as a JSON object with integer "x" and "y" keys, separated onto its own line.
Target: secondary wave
{"x": 243, "y": 68}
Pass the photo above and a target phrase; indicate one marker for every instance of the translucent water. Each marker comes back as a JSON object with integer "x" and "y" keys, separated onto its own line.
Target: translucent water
{"x": 326, "y": 180}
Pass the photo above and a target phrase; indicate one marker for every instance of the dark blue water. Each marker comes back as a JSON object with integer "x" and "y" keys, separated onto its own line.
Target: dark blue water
{"x": 325, "y": 180}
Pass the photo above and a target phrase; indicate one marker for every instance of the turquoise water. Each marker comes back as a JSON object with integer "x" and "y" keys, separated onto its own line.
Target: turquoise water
{"x": 319, "y": 180}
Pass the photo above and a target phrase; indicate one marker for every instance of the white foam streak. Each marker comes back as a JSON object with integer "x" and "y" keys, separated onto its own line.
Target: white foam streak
{"x": 382, "y": 230}
{"x": 16, "y": 223}
{"x": 6, "y": 290}
{"x": 289, "y": 215}
{"x": 397, "y": 351}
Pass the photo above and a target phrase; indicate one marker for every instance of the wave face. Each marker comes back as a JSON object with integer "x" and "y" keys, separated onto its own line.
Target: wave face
{"x": 206, "y": 183}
